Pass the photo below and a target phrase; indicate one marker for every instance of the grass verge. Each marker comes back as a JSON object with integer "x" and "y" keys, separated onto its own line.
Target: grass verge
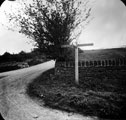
{"x": 105, "y": 98}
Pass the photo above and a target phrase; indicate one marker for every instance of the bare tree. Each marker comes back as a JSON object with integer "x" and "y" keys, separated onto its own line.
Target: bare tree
{"x": 52, "y": 23}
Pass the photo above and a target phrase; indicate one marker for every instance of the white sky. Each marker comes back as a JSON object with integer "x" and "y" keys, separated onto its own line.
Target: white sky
{"x": 106, "y": 30}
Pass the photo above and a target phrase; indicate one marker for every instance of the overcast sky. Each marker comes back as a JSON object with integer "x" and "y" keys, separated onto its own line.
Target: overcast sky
{"x": 106, "y": 30}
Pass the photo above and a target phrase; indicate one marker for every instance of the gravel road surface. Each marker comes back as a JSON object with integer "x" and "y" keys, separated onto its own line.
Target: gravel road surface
{"x": 15, "y": 104}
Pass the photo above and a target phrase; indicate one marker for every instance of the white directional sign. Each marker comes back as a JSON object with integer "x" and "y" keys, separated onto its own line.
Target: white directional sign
{"x": 65, "y": 46}
{"x": 82, "y": 45}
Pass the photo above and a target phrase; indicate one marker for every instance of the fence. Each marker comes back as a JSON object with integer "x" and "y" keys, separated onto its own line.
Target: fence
{"x": 100, "y": 63}
{"x": 91, "y": 67}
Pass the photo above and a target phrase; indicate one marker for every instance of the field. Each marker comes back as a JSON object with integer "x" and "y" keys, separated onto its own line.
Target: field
{"x": 103, "y": 54}
{"x": 103, "y": 97}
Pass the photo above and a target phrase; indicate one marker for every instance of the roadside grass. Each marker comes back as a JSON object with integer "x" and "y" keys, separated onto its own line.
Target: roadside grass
{"x": 102, "y": 97}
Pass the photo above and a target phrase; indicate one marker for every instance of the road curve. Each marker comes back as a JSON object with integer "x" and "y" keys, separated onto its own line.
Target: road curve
{"x": 15, "y": 104}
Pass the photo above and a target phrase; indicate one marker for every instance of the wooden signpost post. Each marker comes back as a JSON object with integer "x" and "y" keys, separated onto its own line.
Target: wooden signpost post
{"x": 76, "y": 58}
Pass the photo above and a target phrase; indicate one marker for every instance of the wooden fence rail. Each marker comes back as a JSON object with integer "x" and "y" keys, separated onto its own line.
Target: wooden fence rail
{"x": 99, "y": 63}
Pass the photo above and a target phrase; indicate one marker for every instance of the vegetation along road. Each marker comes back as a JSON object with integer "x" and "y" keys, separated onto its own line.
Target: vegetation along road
{"x": 15, "y": 104}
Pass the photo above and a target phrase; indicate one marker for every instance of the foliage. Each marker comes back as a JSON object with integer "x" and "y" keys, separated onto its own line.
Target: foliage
{"x": 52, "y": 23}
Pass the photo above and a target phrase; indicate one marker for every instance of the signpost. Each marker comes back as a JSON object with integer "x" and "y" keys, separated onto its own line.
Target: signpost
{"x": 76, "y": 58}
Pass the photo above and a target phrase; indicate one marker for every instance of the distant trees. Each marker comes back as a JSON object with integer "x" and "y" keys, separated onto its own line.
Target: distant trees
{"x": 6, "y": 57}
{"x": 20, "y": 57}
{"x": 52, "y": 23}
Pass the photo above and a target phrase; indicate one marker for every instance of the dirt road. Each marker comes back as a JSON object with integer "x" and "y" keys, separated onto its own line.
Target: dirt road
{"x": 15, "y": 104}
